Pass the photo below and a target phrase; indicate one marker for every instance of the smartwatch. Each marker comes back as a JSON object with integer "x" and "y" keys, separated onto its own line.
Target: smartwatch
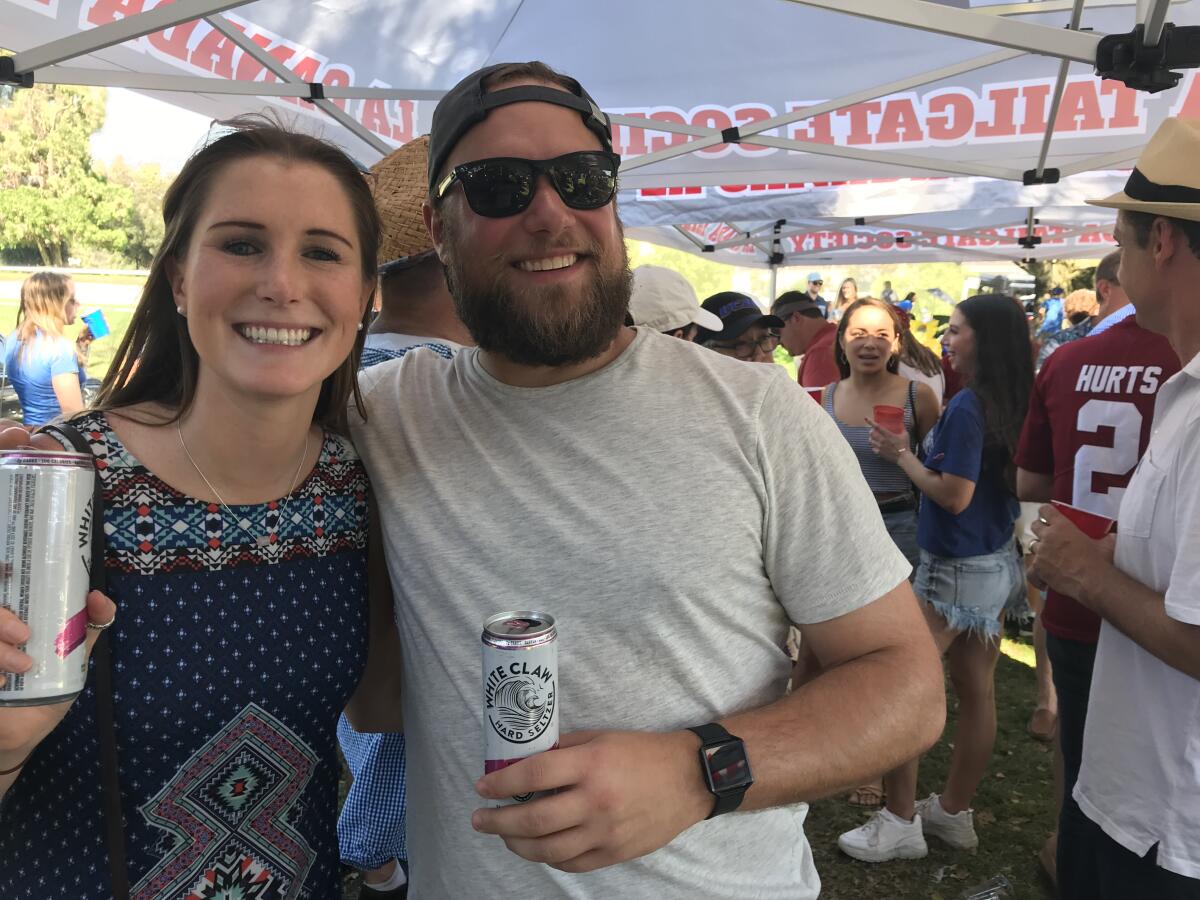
{"x": 724, "y": 765}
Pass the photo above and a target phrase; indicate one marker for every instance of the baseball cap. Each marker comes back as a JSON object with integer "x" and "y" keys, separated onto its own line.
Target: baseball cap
{"x": 815, "y": 276}
{"x": 398, "y": 185}
{"x": 469, "y": 102}
{"x": 794, "y": 301}
{"x": 664, "y": 300}
{"x": 737, "y": 313}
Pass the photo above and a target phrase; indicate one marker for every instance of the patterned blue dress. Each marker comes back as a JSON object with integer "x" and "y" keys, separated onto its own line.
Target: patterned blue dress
{"x": 236, "y": 645}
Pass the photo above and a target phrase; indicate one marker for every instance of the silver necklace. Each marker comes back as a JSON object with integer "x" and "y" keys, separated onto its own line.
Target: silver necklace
{"x": 260, "y": 540}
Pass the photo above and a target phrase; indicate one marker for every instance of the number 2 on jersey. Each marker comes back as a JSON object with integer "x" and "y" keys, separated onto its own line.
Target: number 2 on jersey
{"x": 1126, "y": 422}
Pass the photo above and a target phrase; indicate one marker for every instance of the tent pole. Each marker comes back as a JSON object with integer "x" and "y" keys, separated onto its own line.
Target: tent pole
{"x": 1152, "y": 14}
{"x": 120, "y": 31}
{"x": 283, "y": 73}
{"x": 776, "y": 258}
{"x": 709, "y": 137}
{"x": 1056, "y": 100}
{"x": 200, "y": 84}
{"x": 1045, "y": 40}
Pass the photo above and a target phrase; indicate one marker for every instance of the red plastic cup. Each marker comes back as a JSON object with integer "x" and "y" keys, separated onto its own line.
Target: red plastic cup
{"x": 815, "y": 393}
{"x": 1092, "y": 524}
{"x": 890, "y": 418}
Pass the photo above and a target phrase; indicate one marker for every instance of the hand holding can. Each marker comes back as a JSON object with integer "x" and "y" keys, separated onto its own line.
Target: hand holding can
{"x": 46, "y": 516}
{"x": 24, "y": 727}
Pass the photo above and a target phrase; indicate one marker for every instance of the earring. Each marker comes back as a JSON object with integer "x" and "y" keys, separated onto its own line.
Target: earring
{"x": 360, "y": 326}
{"x": 179, "y": 309}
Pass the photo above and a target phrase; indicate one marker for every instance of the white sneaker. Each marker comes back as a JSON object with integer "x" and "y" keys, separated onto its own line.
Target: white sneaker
{"x": 957, "y": 830}
{"x": 885, "y": 836}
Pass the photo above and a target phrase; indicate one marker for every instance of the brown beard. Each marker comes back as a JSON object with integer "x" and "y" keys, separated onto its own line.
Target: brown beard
{"x": 545, "y": 326}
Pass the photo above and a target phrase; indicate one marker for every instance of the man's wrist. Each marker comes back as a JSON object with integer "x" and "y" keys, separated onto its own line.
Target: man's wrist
{"x": 698, "y": 799}
{"x": 1091, "y": 589}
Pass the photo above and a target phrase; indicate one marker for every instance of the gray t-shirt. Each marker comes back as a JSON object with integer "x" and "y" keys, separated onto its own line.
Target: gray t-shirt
{"x": 674, "y": 511}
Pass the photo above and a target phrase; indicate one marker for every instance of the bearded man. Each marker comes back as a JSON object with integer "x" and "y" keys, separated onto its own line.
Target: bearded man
{"x": 658, "y": 500}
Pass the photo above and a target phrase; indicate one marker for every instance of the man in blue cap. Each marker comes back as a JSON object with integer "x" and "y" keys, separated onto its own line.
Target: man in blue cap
{"x": 747, "y": 332}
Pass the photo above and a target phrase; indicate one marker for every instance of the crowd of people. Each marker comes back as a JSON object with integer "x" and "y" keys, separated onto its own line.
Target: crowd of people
{"x": 355, "y": 415}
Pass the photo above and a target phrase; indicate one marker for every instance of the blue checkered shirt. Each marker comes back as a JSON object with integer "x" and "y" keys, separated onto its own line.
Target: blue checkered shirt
{"x": 371, "y": 825}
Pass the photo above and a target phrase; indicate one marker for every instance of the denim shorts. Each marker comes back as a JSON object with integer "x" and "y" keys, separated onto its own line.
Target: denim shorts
{"x": 902, "y": 526}
{"x": 971, "y": 592}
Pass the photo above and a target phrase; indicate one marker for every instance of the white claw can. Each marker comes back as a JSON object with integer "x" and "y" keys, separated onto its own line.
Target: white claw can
{"x": 520, "y": 689}
{"x": 45, "y": 561}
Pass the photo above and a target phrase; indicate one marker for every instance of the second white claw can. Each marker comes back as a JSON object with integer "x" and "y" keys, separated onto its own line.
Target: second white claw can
{"x": 45, "y": 561}
{"x": 520, "y": 689}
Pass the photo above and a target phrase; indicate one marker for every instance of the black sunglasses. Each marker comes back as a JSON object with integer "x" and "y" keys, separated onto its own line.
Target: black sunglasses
{"x": 504, "y": 186}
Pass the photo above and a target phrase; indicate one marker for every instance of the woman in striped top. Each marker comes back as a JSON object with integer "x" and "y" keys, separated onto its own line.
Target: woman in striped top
{"x": 867, "y": 353}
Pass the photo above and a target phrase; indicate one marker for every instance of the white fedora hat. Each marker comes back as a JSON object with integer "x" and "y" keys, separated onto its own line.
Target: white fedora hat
{"x": 1166, "y": 179}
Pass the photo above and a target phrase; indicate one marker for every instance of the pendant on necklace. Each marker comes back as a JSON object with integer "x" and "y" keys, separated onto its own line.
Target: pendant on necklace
{"x": 262, "y": 541}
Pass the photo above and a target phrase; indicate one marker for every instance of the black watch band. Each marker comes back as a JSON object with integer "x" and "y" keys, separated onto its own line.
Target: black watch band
{"x": 724, "y": 765}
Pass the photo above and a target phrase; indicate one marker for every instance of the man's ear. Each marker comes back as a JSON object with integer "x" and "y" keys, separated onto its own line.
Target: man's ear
{"x": 1163, "y": 239}
{"x": 433, "y": 224}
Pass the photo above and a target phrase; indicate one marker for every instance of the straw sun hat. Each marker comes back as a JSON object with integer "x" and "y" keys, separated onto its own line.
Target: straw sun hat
{"x": 399, "y": 186}
{"x": 1166, "y": 180}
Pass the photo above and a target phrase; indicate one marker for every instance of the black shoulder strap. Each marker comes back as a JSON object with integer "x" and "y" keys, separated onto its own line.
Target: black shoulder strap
{"x": 114, "y": 817}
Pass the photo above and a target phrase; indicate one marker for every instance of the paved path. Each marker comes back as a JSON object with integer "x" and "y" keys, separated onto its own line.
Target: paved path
{"x": 89, "y": 293}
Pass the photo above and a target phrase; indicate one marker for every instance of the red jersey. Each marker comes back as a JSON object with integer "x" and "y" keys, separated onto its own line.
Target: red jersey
{"x": 954, "y": 381}
{"x": 1088, "y": 425}
{"x": 818, "y": 368}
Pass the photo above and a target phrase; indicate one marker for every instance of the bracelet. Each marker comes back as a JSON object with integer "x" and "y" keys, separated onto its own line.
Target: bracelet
{"x": 18, "y": 766}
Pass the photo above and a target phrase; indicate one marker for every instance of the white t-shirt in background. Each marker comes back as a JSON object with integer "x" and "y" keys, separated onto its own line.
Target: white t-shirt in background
{"x": 1140, "y": 776}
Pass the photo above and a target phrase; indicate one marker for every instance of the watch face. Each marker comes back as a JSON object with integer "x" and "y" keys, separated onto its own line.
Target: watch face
{"x": 728, "y": 768}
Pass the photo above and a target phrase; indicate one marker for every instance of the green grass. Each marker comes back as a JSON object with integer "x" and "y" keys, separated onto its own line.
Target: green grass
{"x": 1014, "y": 812}
{"x": 102, "y": 349}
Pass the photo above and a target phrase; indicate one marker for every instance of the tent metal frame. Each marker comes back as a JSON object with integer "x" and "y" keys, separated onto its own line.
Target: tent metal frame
{"x": 989, "y": 25}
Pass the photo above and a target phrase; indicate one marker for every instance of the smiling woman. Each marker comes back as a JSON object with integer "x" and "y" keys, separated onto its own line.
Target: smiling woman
{"x": 235, "y": 516}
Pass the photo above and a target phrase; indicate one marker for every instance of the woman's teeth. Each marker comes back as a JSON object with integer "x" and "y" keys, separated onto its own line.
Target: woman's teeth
{"x": 288, "y": 337}
{"x": 545, "y": 265}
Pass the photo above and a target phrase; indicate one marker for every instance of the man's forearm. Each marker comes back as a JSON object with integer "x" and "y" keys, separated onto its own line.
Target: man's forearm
{"x": 1141, "y": 614}
{"x": 851, "y": 722}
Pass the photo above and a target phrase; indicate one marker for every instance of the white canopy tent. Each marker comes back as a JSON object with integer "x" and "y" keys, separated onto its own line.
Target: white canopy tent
{"x": 784, "y": 131}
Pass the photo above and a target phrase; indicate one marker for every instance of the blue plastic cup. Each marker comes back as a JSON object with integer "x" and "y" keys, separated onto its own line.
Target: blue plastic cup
{"x": 96, "y": 323}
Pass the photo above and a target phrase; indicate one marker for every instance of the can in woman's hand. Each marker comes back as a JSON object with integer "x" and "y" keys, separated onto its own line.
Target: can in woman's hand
{"x": 45, "y": 561}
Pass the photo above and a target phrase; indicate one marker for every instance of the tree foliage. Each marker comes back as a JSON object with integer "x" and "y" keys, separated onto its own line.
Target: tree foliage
{"x": 709, "y": 277}
{"x": 146, "y": 185}
{"x": 51, "y": 197}
{"x": 1068, "y": 274}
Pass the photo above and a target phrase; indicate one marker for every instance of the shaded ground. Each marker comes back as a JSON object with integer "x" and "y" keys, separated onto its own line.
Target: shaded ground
{"x": 1013, "y": 814}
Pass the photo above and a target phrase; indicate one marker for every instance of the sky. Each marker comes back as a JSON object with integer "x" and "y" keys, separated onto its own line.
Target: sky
{"x": 144, "y": 130}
